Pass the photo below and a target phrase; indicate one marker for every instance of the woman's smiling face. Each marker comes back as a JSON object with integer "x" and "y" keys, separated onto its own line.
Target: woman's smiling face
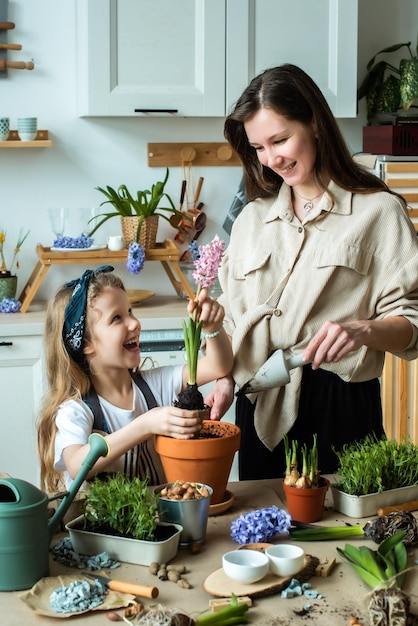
{"x": 285, "y": 146}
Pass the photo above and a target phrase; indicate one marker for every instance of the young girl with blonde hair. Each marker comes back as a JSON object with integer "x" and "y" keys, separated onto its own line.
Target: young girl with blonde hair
{"x": 92, "y": 352}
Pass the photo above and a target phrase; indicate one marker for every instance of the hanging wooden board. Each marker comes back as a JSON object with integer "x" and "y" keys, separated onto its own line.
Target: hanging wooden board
{"x": 179, "y": 154}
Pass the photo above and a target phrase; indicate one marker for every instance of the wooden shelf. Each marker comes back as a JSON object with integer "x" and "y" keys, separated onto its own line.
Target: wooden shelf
{"x": 41, "y": 141}
{"x": 166, "y": 252}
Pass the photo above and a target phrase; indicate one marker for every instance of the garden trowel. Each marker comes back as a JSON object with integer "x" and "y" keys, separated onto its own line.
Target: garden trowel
{"x": 274, "y": 373}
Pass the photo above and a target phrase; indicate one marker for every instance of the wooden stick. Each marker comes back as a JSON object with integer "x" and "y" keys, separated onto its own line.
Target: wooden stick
{"x": 16, "y": 65}
{"x": 10, "y": 46}
{"x": 406, "y": 506}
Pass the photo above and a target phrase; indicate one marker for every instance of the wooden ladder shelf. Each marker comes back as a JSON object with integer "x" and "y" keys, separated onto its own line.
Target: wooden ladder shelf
{"x": 166, "y": 252}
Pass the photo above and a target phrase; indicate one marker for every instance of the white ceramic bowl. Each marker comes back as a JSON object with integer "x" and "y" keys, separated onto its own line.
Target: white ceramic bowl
{"x": 285, "y": 559}
{"x": 245, "y": 566}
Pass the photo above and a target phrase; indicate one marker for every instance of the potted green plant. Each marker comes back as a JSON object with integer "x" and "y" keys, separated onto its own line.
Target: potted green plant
{"x": 8, "y": 279}
{"x": 374, "y": 473}
{"x": 386, "y": 87}
{"x": 121, "y": 517}
{"x": 305, "y": 490}
{"x": 139, "y": 213}
{"x": 208, "y": 457}
{"x": 206, "y": 262}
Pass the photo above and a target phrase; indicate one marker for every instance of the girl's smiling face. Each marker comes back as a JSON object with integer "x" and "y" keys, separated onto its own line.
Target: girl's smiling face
{"x": 114, "y": 331}
{"x": 285, "y": 146}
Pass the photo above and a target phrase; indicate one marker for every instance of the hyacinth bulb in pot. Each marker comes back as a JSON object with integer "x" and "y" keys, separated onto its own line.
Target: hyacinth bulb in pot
{"x": 8, "y": 276}
{"x": 305, "y": 490}
{"x": 206, "y": 263}
{"x": 208, "y": 457}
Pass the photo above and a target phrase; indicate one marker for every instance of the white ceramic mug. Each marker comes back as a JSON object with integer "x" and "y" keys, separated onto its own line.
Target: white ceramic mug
{"x": 4, "y": 128}
{"x": 27, "y": 128}
{"x": 115, "y": 242}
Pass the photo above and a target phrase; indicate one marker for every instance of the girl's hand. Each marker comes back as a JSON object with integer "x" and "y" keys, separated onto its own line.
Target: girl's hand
{"x": 173, "y": 422}
{"x": 210, "y": 312}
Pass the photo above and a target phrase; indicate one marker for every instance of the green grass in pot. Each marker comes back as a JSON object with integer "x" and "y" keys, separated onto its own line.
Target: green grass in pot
{"x": 121, "y": 506}
{"x": 376, "y": 465}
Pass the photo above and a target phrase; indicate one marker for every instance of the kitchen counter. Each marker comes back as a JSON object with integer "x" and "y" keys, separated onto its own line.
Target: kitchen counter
{"x": 344, "y": 595}
{"x": 155, "y": 313}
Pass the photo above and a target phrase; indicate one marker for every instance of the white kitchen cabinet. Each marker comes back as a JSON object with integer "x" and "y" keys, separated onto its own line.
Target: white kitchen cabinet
{"x": 21, "y": 389}
{"x": 320, "y": 36}
{"x": 194, "y": 57}
{"x": 142, "y": 57}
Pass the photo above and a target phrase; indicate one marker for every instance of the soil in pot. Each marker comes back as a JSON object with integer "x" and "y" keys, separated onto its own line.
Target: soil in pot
{"x": 161, "y": 533}
{"x": 306, "y": 505}
{"x": 205, "y": 459}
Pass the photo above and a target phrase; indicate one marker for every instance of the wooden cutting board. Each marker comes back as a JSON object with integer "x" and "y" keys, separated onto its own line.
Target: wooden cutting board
{"x": 220, "y": 585}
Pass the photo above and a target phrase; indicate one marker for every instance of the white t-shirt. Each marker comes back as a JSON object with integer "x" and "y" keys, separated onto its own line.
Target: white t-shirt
{"x": 75, "y": 424}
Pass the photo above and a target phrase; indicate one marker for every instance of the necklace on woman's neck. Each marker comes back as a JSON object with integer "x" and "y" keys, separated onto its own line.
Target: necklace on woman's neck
{"x": 308, "y": 206}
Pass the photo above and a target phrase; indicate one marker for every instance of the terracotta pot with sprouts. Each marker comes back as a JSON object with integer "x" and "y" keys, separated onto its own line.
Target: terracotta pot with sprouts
{"x": 305, "y": 490}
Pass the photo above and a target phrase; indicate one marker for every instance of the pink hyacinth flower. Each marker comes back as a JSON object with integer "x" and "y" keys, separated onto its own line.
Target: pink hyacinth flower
{"x": 207, "y": 265}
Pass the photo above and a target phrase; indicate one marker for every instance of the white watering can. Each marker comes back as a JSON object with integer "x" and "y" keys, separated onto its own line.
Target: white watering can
{"x": 274, "y": 373}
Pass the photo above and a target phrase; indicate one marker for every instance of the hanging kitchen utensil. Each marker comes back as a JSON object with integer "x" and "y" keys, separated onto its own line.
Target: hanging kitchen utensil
{"x": 25, "y": 533}
{"x": 197, "y": 192}
{"x": 274, "y": 373}
{"x": 182, "y": 194}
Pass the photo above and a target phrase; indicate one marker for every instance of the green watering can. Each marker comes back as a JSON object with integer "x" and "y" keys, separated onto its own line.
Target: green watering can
{"x": 25, "y": 533}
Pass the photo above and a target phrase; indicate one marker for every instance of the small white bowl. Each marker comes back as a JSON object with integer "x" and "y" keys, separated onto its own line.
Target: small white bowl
{"x": 245, "y": 566}
{"x": 285, "y": 559}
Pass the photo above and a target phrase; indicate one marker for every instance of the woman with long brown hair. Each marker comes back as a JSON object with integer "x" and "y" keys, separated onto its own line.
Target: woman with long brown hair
{"x": 322, "y": 261}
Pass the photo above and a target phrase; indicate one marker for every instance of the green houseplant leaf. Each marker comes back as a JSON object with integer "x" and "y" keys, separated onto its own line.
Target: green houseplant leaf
{"x": 387, "y": 87}
{"x": 384, "y": 567}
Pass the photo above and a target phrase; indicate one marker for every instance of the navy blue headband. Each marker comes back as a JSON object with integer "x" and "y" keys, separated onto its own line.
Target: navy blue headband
{"x": 75, "y": 312}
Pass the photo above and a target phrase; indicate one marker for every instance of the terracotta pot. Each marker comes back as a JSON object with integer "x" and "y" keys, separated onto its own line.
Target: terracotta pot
{"x": 204, "y": 460}
{"x": 306, "y": 505}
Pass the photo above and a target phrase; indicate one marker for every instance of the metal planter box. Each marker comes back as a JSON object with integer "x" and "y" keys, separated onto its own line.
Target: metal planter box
{"x": 367, "y": 506}
{"x": 123, "y": 548}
